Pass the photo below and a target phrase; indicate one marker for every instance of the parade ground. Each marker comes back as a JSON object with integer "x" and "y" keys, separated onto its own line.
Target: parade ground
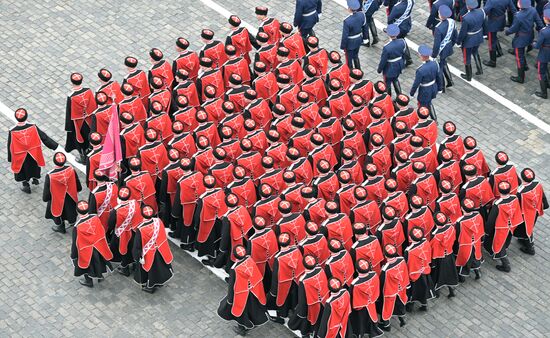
{"x": 44, "y": 41}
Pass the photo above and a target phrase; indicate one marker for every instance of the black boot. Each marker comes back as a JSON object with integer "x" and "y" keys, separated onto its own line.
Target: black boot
{"x": 208, "y": 261}
{"x": 521, "y": 76}
{"x": 81, "y": 158}
{"x": 60, "y": 228}
{"x": 527, "y": 247}
{"x": 468, "y": 75}
{"x": 240, "y": 330}
{"x": 357, "y": 63}
{"x": 385, "y": 325}
{"x": 87, "y": 281}
{"x": 26, "y": 187}
{"x": 409, "y": 307}
{"x": 479, "y": 66}
{"x": 35, "y": 181}
{"x": 478, "y": 274}
{"x": 402, "y": 321}
{"x": 388, "y": 90}
{"x": 374, "y": 33}
{"x": 499, "y": 49}
{"x": 461, "y": 279}
{"x": 451, "y": 292}
{"x": 124, "y": 271}
{"x": 505, "y": 265}
{"x": 543, "y": 90}
{"x": 492, "y": 60}
{"x": 397, "y": 86}
{"x": 408, "y": 59}
{"x": 433, "y": 115}
{"x": 448, "y": 76}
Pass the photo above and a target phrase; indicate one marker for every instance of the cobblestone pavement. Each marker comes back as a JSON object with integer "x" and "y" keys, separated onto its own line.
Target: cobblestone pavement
{"x": 43, "y": 41}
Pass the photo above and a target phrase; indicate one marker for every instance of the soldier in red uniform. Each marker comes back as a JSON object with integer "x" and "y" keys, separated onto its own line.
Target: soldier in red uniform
{"x": 379, "y": 125}
{"x": 80, "y": 106}
{"x": 338, "y": 101}
{"x": 382, "y": 99}
{"x": 233, "y": 119}
{"x": 263, "y": 247}
{"x": 161, "y": 68}
{"x": 401, "y": 142}
{"x": 103, "y": 198}
{"x": 474, "y": 156}
{"x": 187, "y": 114}
{"x": 503, "y": 220}
{"x": 132, "y": 137}
{"x": 312, "y": 295}
{"x": 160, "y": 122}
{"x": 90, "y": 251}
{"x": 109, "y": 87}
{"x": 335, "y": 321}
{"x": 154, "y": 156}
{"x": 141, "y": 184}
{"x": 314, "y": 85}
{"x": 270, "y": 26}
{"x": 423, "y": 154}
{"x": 152, "y": 251}
{"x": 403, "y": 171}
{"x": 160, "y": 94}
{"x": 365, "y": 293}
{"x": 292, "y": 41}
{"x": 469, "y": 233}
{"x": 235, "y": 92}
{"x": 288, "y": 65}
{"x": 210, "y": 209}
{"x": 257, "y": 109}
{"x": 236, "y": 227}
{"x": 61, "y": 188}
{"x": 315, "y": 209}
{"x": 476, "y": 188}
{"x": 419, "y": 257}
{"x": 366, "y": 247}
{"x": 394, "y": 281}
{"x": 452, "y": 142}
{"x": 504, "y": 172}
{"x": 351, "y": 165}
{"x": 375, "y": 184}
{"x": 326, "y": 184}
{"x": 186, "y": 60}
{"x": 209, "y": 75}
{"x": 419, "y": 216}
{"x": 267, "y": 52}
{"x": 245, "y": 301}
{"x": 221, "y": 170}
{"x": 448, "y": 202}
{"x": 404, "y": 113}
{"x": 205, "y": 128}
{"x": 426, "y": 128}
{"x": 315, "y": 244}
{"x": 186, "y": 87}
{"x": 293, "y": 223}
{"x": 243, "y": 186}
{"x": 138, "y": 79}
{"x": 265, "y": 83}
{"x": 25, "y": 150}
{"x": 338, "y": 70}
{"x": 339, "y": 264}
{"x": 235, "y": 64}
{"x": 366, "y": 211}
{"x": 332, "y": 131}
{"x": 250, "y": 160}
{"x": 102, "y": 115}
{"x": 132, "y": 104}
{"x": 316, "y": 57}
{"x": 182, "y": 141}
{"x": 424, "y": 185}
{"x": 240, "y": 37}
{"x": 379, "y": 155}
{"x": 292, "y": 193}
{"x": 308, "y": 110}
{"x": 533, "y": 203}
{"x": 443, "y": 267}
{"x": 345, "y": 195}
{"x": 288, "y": 268}
{"x": 360, "y": 114}
{"x": 360, "y": 86}
{"x": 397, "y": 199}
{"x": 287, "y": 94}
{"x": 391, "y": 230}
{"x": 212, "y": 49}
{"x": 300, "y": 140}
{"x": 189, "y": 187}
{"x": 338, "y": 225}
{"x": 449, "y": 170}
{"x": 123, "y": 221}
{"x": 321, "y": 152}
{"x": 204, "y": 158}
{"x": 168, "y": 186}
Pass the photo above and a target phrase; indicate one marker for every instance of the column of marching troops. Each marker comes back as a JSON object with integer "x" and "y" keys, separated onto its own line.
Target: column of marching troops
{"x": 324, "y": 198}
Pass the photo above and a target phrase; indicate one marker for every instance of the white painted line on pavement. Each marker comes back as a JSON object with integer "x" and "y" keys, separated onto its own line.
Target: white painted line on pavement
{"x": 478, "y": 85}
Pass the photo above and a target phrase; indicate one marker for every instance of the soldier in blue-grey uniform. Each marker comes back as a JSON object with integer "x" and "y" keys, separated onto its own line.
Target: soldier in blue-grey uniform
{"x": 543, "y": 57}
{"x": 495, "y": 10}
{"x": 522, "y": 27}
{"x": 470, "y": 38}
{"x": 369, "y": 8}
{"x": 354, "y": 32}
{"x": 445, "y": 36}
{"x": 306, "y": 15}
{"x": 433, "y": 18}
{"x": 392, "y": 59}
{"x": 427, "y": 80}
{"x": 401, "y": 16}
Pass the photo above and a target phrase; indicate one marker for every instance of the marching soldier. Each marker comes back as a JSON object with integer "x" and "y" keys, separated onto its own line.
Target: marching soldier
{"x": 470, "y": 38}
{"x": 80, "y": 106}
{"x": 240, "y": 37}
{"x": 369, "y": 8}
{"x": 61, "y": 188}
{"x": 354, "y": 33}
{"x": 445, "y": 36}
{"x": 138, "y": 79}
{"x": 25, "y": 150}
{"x": 496, "y": 20}
{"x": 522, "y": 27}
{"x": 400, "y": 15}
{"x": 391, "y": 61}
{"x": 543, "y": 57}
{"x": 187, "y": 60}
{"x": 270, "y": 26}
{"x": 306, "y": 15}
{"x": 427, "y": 80}
{"x": 435, "y": 10}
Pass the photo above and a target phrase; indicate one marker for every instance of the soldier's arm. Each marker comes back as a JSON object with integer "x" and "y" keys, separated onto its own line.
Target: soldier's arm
{"x": 48, "y": 142}
{"x": 345, "y": 33}
{"x": 9, "y": 146}
{"x": 298, "y": 13}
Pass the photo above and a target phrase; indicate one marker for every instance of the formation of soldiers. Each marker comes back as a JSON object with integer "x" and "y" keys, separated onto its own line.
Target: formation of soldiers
{"x": 326, "y": 199}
